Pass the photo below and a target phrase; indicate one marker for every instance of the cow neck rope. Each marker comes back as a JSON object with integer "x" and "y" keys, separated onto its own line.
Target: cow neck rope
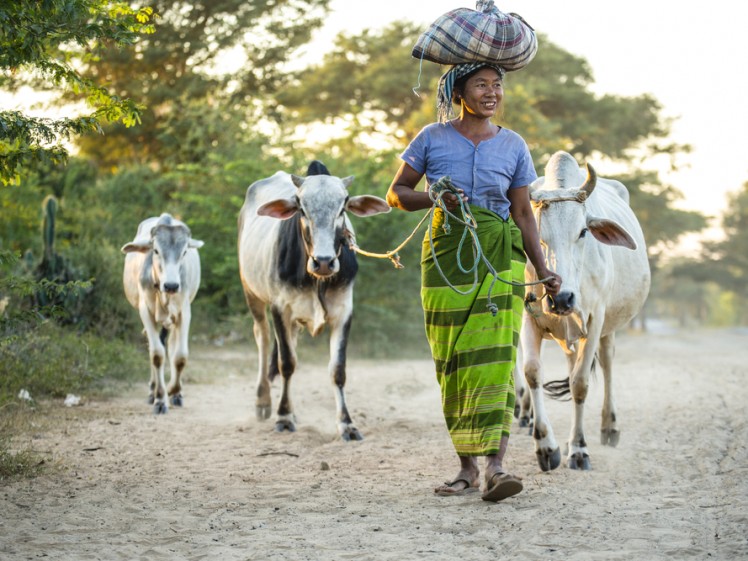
{"x": 544, "y": 204}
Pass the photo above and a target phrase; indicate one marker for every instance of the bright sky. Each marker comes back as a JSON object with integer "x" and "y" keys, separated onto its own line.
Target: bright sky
{"x": 691, "y": 59}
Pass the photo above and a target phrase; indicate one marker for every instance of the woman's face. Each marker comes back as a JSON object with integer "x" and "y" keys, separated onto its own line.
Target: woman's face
{"x": 483, "y": 93}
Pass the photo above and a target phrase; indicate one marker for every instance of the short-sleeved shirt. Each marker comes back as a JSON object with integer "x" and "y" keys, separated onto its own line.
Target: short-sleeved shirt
{"x": 484, "y": 172}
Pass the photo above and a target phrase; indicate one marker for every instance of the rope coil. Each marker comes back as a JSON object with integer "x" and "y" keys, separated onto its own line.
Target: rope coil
{"x": 436, "y": 194}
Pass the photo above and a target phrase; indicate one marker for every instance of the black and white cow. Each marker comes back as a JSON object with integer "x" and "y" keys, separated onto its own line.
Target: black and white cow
{"x": 161, "y": 278}
{"x": 294, "y": 259}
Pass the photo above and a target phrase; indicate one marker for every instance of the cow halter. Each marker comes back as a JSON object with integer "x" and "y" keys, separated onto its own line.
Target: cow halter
{"x": 538, "y": 206}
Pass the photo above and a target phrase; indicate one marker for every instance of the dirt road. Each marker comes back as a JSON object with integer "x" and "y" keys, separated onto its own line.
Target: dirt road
{"x": 208, "y": 481}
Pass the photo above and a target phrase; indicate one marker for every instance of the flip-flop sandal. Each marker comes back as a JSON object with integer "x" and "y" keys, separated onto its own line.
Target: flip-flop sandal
{"x": 503, "y": 485}
{"x": 444, "y": 493}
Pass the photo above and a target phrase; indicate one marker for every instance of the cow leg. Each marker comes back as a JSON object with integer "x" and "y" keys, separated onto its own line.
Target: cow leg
{"x": 609, "y": 432}
{"x": 547, "y": 450}
{"x": 285, "y": 336}
{"x": 578, "y": 456}
{"x": 523, "y": 404}
{"x": 178, "y": 351}
{"x": 261, "y": 332}
{"x": 338, "y": 349}
{"x": 157, "y": 356}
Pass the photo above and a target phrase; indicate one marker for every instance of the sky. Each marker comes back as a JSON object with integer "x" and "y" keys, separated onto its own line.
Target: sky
{"x": 690, "y": 58}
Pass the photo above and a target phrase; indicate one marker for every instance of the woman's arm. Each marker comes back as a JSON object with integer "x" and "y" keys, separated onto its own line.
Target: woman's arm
{"x": 521, "y": 211}
{"x": 402, "y": 193}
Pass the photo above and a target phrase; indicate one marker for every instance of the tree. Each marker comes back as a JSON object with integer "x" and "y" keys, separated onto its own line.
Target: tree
{"x": 212, "y": 64}
{"x": 47, "y": 41}
{"x": 367, "y": 82}
{"x": 725, "y": 262}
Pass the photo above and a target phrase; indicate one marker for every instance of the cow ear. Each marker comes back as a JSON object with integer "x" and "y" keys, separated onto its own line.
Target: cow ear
{"x": 282, "y": 209}
{"x": 347, "y": 181}
{"x": 195, "y": 244}
{"x": 297, "y": 180}
{"x": 137, "y": 246}
{"x": 610, "y": 233}
{"x": 367, "y": 205}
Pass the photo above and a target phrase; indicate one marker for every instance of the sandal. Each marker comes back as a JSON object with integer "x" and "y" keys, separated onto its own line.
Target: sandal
{"x": 501, "y": 486}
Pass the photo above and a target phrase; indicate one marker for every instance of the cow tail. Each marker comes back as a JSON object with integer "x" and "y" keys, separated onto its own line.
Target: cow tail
{"x": 558, "y": 389}
{"x": 163, "y": 335}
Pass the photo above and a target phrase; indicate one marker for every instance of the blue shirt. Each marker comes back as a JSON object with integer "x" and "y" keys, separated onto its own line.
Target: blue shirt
{"x": 485, "y": 172}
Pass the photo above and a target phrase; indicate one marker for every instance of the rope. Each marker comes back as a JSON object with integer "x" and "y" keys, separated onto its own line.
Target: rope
{"x": 436, "y": 194}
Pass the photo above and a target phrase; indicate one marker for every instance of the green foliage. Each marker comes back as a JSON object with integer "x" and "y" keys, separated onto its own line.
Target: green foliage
{"x": 186, "y": 76}
{"x": 50, "y": 361}
{"x": 17, "y": 463}
{"x": 729, "y": 257}
{"x": 654, "y": 205}
{"x": 723, "y": 264}
{"x": 45, "y": 41}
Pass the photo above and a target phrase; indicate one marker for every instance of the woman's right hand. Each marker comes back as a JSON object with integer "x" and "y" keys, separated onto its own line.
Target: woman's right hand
{"x": 452, "y": 200}
{"x": 553, "y": 283}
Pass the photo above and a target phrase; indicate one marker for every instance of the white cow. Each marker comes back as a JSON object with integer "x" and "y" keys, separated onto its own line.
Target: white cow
{"x": 593, "y": 240}
{"x": 161, "y": 279}
{"x": 295, "y": 259}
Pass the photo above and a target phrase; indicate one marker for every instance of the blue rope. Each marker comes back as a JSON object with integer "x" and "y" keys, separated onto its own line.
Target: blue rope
{"x": 466, "y": 218}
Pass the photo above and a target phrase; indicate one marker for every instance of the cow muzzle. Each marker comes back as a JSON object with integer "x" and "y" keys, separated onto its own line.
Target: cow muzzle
{"x": 562, "y": 304}
{"x": 322, "y": 267}
{"x": 171, "y": 287}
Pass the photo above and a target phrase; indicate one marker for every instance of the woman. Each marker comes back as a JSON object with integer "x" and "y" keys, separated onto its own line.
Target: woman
{"x": 474, "y": 350}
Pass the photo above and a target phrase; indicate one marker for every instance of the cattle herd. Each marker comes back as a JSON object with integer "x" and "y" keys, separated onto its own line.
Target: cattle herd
{"x": 296, "y": 265}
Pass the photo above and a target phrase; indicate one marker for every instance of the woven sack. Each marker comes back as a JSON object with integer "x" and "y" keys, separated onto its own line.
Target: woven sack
{"x": 481, "y": 35}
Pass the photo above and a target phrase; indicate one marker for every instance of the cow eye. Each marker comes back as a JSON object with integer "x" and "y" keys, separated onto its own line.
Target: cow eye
{"x": 155, "y": 251}
{"x": 583, "y": 233}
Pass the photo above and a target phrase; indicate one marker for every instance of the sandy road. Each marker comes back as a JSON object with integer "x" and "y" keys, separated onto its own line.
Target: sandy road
{"x": 208, "y": 481}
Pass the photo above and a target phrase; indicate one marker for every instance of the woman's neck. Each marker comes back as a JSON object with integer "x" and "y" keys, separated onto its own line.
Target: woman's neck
{"x": 475, "y": 129}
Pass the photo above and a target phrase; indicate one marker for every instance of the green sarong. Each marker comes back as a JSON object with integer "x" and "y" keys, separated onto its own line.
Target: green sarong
{"x": 473, "y": 350}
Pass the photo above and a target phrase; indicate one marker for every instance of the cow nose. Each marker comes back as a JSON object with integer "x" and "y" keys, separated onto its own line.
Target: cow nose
{"x": 171, "y": 287}
{"x": 324, "y": 266}
{"x": 562, "y": 303}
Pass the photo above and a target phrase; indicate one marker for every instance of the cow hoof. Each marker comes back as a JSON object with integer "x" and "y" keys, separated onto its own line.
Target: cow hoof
{"x": 525, "y": 422}
{"x": 609, "y": 437}
{"x": 549, "y": 460}
{"x": 285, "y": 424}
{"x": 160, "y": 408}
{"x": 150, "y": 399}
{"x": 176, "y": 400}
{"x": 263, "y": 412}
{"x": 579, "y": 461}
{"x": 351, "y": 433}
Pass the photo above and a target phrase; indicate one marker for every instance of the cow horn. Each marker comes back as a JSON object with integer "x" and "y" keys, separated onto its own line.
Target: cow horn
{"x": 297, "y": 180}
{"x": 591, "y": 181}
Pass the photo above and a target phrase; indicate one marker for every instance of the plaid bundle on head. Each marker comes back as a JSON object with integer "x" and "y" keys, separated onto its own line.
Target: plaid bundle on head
{"x": 482, "y": 35}
{"x": 447, "y": 82}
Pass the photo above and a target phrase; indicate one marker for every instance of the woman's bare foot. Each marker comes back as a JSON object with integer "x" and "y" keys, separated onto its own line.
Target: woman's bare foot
{"x": 467, "y": 481}
{"x": 457, "y": 487}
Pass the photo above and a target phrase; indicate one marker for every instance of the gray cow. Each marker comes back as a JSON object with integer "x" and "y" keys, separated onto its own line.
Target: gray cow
{"x": 161, "y": 279}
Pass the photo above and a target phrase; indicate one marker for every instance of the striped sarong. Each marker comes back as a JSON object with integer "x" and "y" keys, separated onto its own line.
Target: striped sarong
{"x": 474, "y": 351}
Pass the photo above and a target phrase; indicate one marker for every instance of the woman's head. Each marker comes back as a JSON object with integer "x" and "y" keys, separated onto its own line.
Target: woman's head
{"x": 453, "y": 84}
